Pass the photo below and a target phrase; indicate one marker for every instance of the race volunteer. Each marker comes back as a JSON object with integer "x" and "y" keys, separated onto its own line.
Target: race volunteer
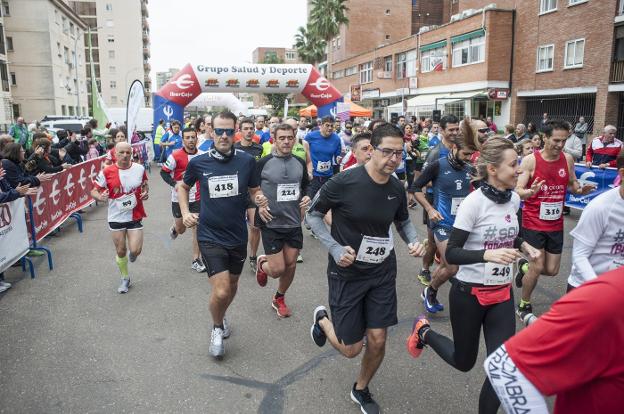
{"x": 362, "y": 265}
{"x": 546, "y": 176}
{"x": 484, "y": 244}
{"x": 251, "y": 147}
{"x": 124, "y": 186}
{"x": 598, "y": 244}
{"x": 283, "y": 180}
{"x": 450, "y": 182}
{"x": 225, "y": 177}
{"x": 172, "y": 173}
{"x": 549, "y": 358}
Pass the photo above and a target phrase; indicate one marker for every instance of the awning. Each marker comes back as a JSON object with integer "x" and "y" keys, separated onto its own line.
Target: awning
{"x": 468, "y": 36}
{"x": 462, "y": 96}
{"x": 435, "y": 45}
{"x": 426, "y": 100}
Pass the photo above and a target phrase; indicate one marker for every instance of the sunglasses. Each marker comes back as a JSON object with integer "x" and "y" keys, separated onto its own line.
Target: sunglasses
{"x": 484, "y": 130}
{"x": 227, "y": 131}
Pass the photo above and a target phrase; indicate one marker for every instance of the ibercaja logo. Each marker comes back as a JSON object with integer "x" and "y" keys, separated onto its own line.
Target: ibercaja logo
{"x": 211, "y": 83}
{"x": 253, "y": 83}
{"x": 293, "y": 83}
{"x": 232, "y": 83}
{"x": 273, "y": 83}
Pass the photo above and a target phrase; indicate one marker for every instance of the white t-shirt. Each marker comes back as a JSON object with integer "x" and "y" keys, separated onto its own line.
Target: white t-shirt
{"x": 491, "y": 226}
{"x": 601, "y": 225}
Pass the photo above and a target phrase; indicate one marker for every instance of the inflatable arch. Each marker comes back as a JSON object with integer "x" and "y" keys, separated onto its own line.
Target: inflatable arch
{"x": 192, "y": 80}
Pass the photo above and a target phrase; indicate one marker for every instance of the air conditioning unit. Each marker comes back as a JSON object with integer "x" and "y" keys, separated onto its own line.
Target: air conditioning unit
{"x": 490, "y": 6}
{"x": 456, "y": 17}
{"x": 384, "y": 75}
{"x": 469, "y": 12}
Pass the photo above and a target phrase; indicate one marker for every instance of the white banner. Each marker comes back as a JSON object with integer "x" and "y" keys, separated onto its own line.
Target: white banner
{"x": 136, "y": 100}
{"x": 13, "y": 233}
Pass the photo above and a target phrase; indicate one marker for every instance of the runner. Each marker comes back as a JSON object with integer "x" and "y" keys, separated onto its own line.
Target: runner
{"x": 124, "y": 186}
{"x": 484, "y": 243}
{"x": 450, "y": 181}
{"x": 225, "y": 176}
{"x": 546, "y": 359}
{"x": 172, "y": 140}
{"x": 284, "y": 179}
{"x": 546, "y": 175}
{"x": 361, "y": 151}
{"x": 247, "y": 144}
{"x": 362, "y": 264}
{"x": 599, "y": 235}
{"x": 172, "y": 173}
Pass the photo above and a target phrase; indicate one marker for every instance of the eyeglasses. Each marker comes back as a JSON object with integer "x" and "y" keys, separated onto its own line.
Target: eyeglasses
{"x": 388, "y": 153}
{"x": 484, "y": 130}
{"x": 227, "y": 131}
{"x": 208, "y": 124}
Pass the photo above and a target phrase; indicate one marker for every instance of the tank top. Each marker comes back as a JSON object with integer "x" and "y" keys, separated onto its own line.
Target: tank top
{"x": 543, "y": 211}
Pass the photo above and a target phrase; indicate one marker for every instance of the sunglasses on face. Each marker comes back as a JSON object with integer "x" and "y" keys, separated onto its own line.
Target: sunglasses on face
{"x": 484, "y": 130}
{"x": 227, "y": 131}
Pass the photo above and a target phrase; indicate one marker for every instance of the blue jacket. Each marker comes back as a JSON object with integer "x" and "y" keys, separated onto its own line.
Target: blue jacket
{"x": 16, "y": 176}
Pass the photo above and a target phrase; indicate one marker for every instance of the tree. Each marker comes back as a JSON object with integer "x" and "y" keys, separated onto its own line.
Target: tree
{"x": 276, "y": 100}
{"x": 309, "y": 46}
{"x": 326, "y": 16}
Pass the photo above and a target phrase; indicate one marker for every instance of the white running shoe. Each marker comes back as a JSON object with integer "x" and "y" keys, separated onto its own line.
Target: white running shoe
{"x": 216, "y": 348}
{"x": 123, "y": 287}
{"x": 226, "y": 329}
{"x": 198, "y": 266}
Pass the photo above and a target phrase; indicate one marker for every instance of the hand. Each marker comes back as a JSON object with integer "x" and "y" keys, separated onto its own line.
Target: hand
{"x": 434, "y": 215}
{"x": 62, "y": 152}
{"x": 347, "y": 258}
{"x": 190, "y": 219}
{"x": 416, "y": 249}
{"x": 2, "y": 172}
{"x": 533, "y": 253}
{"x": 265, "y": 215}
{"x": 586, "y": 189}
{"x": 535, "y": 187}
{"x": 103, "y": 196}
{"x": 25, "y": 190}
{"x": 305, "y": 202}
{"x": 588, "y": 164}
{"x": 603, "y": 166}
{"x": 144, "y": 194}
{"x": 39, "y": 151}
{"x": 261, "y": 200}
{"x": 502, "y": 256}
{"x": 66, "y": 165}
{"x": 44, "y": 177}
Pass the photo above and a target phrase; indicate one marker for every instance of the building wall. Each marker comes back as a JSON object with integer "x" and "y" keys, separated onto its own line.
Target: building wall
{"x": 479, "y": 4}
{"x": 6, "y": 110}
{"x": 427, "y": 13}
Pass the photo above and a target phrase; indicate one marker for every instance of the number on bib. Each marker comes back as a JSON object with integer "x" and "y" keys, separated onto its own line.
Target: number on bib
{"x": 323, "y": 166}
{"x": 497, "y": 274}
{"x": 551, "y": 211}
{"x": 223, "y": 186}
{"x": 374, "y": 249}
{"x": 287, "y": 192}
{"x": 455, "y": 202}
{"x": 127, "y": 202}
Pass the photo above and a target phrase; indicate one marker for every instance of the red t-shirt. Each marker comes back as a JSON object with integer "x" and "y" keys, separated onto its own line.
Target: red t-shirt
{"x": 576, "y": 350}
{"x": 239, "y": 136}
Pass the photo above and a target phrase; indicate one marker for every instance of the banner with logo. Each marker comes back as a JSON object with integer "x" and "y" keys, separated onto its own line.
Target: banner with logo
{"x": 64, "y": 194}
{"x": 136, "y": 100}
{"x": 602, "y": 179}
{"x": 192, "y": 80}
{"x": 13, "y": 233}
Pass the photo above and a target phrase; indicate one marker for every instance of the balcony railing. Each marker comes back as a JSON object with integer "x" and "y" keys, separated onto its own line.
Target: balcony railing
{"x": 617, "y": 71}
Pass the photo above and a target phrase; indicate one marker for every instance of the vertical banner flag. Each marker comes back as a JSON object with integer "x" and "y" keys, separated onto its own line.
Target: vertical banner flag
{"x": 285, "y": 108}
{"x": 344, "y": 110}
{"x": 136, "y": 100}
{"x": 97, "y": 103}
{"x": 13, "y": 233}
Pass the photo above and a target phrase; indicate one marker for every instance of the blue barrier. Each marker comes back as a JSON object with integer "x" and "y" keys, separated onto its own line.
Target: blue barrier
{"x": 33, "y": 242}
{"x": 602, "y": 178}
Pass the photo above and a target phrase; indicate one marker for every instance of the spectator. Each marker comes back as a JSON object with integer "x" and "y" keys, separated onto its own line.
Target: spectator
{"x": 574, "y": 147}
{"x": 580, "y": 130}
{"x": 491, "y": 125}
{"x": 93, "y": 151}
{"x": 544, "y": 122}
{"x": 509, "y": 133}
{"x": 346, "y": 134}
{"x": 77, "y": 148}
{"x": 537, "y": 141}
{"x": 531, "y": 129}
{"x": 5, "y": 139}
{"x": 604, "y": 149}
{"x": 160, "y": 131}
{"x": 63, "y": 139}
{"x": 19, "y": 132}
{"x": 12, "y": 161}
{"x": 41, "y": 161}
{"x": 172, "y": 140}
{"x": 521, "y": 133}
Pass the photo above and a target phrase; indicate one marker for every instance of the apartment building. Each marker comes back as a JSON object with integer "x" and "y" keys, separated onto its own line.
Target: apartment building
{"x": 6, "y": 108}
{"x": 47, "y": 62}
{"x": 281, "y": 54}
{"x": 163, "y": 77}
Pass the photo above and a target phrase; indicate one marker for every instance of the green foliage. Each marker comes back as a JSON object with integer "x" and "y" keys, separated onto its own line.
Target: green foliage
{"x": 276, "y": 100}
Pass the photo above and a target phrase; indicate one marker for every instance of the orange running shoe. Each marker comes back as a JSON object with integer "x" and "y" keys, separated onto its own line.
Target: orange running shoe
{"x": 414, "y": 344}
{"x": 280, "y": 307}
{"x": 261, "y": 276}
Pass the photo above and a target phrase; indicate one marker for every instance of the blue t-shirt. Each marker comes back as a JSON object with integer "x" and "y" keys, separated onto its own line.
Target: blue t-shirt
{"x": 170, "y": 136}
{"x": 401, "y": 168}
{"x": 259, "y": 132}
{"x": 450, "y": 187}
{"x": 206, "y": 145}
{"x": 265, "y": 137}
{"x": 442, "y": 153}
{"x": 223, "y": 185}
{"x": 323, "y": 151}
{"x": 433, "y": 141}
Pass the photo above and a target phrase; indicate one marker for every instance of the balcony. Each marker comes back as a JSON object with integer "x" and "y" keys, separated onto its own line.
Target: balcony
{"x": 146, "y": 52}
{"x": 146, "y": 36}
{"x": 617, "y": 72}
{"x": 145, "y": 23}
{"x": 146, "y": 66}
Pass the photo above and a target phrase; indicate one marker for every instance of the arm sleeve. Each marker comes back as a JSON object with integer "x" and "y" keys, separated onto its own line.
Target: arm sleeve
{"x": 407, "y": 231}
{"x": 7, "y": 194}
{"x": 305, "y": 180}
{"x": 429, "y": 174}
{"x": 455, "y": 252}
{"x": 315, "y": 220}
{"x": 167, "y": 178}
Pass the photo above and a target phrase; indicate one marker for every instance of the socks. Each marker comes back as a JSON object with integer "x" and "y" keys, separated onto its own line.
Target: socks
{"x": 122, "y": 263}
{"x": 523, "y": 303}
{"x": 278, "y": 295}
{"x": 217, "y": 326}
{"x": 422, "y": 331}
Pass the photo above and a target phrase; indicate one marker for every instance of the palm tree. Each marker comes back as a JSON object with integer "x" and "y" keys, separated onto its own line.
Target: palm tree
{"x": 309, "y": 46}
{"x": 326, "y": 16}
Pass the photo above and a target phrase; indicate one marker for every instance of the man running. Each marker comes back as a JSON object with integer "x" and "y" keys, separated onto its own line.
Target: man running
{"x": 172, "y": 173}
{"x": 284, "y": 179}
{"x": 545, "y": 177}
{"x": 362, "y": 266}
{"x": 172, "y": 140}
{"x": 248, "y": 145}
{"x": 450, "y": 181}
{"x": 124, "y": 186}
{"x": 225, "y": 177}
{"x": 361, "y": 151}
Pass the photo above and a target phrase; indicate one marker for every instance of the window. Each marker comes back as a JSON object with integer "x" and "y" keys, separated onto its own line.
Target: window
{"x": 290, "y": 55}
{"x": 574, "y": 51}
{"x": 547, "y": 6}
{"x": 111, "y": 39}
{"x": 457, "y": 108}
{"x": 65, "y": 29}
{"x": 411, "y": 63}
{"x": 401, "y": 65}
{"x": 113, "y": 84}
{"x": 112, "y": 69}
{"x": 9, "y": 43}
{"x": 13, "y": 79}
{"x": 56, "y": 17}
{"x": 109, "y": 7}
{"x": 4, "y": 76}
{"x": 111, "y": 54}
{"x": 66, "y": 54}
{"x": 366, "y": 72}
{"x": 2, "y": 45}
{"x": 270, "y": 56}
{"x": 333, "y": 42}
{"x": 338, "y": 74}
{"x": 387, "y": 12}
{"x": 387, "y": 37}
{"x": 113, "y": 100}
{"x": 433, "y": 60}
{"x": 6, "y": 11}
{"x": 110, "y": 23}
{"x": 16, "y": 111}
{"x": 71, "y": 28}
{"x": 338, "y": 42}
{"x": 351, "y": 71}
{"x": 469, "y": 51}
{"x": 573, "y": 2}
{"x": 545, "y": 58}
{"x": 71, "y": 110}
{"x": 73, "y": 61}
{"x": 63, "y": 110}
{"x": 388, "y": 64}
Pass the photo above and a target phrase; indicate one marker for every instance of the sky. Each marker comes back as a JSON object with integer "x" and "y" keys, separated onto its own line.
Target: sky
{"x": 213, "y": 31}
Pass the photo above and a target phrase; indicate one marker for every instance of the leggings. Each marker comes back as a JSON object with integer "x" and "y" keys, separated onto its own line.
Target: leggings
{"x": 409, "y": 170}
{"x": 467, "y": 317}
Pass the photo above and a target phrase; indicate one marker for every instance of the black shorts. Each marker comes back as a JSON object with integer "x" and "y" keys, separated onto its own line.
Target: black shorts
{"x": 128, "y": 225}
{"x": 550, "y": 241}
{"x": 177, "y": 213}
{"x": 315, "y": 185}
{"x": 357, "y": 304}
{"x": 220, "y": 259}
{"x": 429, "y": 197}
{"x": 273, "y": 240}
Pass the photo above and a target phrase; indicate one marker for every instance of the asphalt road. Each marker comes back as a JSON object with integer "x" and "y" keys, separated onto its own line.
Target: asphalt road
{"x": 69, "y": 343}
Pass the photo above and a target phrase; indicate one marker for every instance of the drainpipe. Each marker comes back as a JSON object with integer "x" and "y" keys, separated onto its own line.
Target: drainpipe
{"x": 511, "y": 65}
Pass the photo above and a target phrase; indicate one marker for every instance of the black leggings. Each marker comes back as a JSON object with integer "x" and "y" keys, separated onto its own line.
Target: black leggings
{"x": 409, "y": 169}
{"x": 467, "y": 316}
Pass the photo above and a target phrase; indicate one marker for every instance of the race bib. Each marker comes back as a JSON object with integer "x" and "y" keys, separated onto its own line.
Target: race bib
{"x": 497, "y": 274}
{"x": 423, "y": 155}
{"x": 287, "y": 192}
{"x": 550, "y": 211}
{"x": 223, "y": 186}
{"x": 323, "y": 166}
{"x": 127, "y": 202}
{"x": 455, "y": 202}
{"x": 616, "y": 263}
{"x": 374, "y": 249}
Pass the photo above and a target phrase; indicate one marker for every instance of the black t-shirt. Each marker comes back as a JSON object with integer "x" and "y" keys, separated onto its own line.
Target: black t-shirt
{"x": 361, "y": 209}
{"x": 255, "y": 150}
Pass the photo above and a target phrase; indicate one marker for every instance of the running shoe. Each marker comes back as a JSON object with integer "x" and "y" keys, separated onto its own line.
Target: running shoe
{"x": 365, "y": 400}
{"x": 253, "y": 263}
{"x": 523, "y": 267}
{"x": 4, "y": 286}
{"x": 261, "y": 276}
{"x": 316, "y": 332}
{"x": 313, "y": 234}
{"x": 198, "y": 266}
{"x": 132, "y": 257}
{"x": 430, "y": 300}
{"x": 415, "y": 343}
{"x": 425, "y": 277}
{"x": 300, "y": 259}
{"x": 173, "y": 233}
{"x": 216, "y": 348}
{"x": 226, "y": 329}
{"x": 124, "y": 285}
{"x": 525, "y": 314}
{"x": 279, "y": 304}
